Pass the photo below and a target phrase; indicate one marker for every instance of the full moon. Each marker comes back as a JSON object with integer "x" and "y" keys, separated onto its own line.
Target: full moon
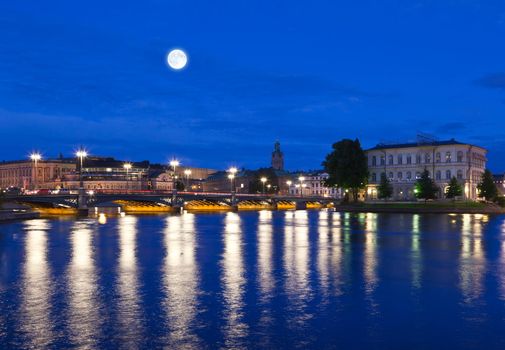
{"x": 177, "y": 59}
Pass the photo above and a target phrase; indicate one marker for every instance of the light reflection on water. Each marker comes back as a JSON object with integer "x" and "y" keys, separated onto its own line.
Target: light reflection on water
{"x": 129, "y": 313}
{"x": 236, "y": 329}
{"x": 84, "y": 319}
{"x": 37, "y": 286}
{"x": 180, "y": 278}
{"x": 247, "y": 280}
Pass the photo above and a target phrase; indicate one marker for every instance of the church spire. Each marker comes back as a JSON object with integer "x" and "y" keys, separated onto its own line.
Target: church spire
{"x": 277, "y": 157}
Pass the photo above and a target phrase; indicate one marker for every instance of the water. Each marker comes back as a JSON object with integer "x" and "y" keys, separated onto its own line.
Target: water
{"x": 304, "y": 279}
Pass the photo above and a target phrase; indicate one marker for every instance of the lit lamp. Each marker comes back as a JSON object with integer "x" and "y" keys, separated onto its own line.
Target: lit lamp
{"x": 174, "y": 163}
{"x": 232, "y": 173}
{"x": 127, "y": 167}
{"x": 301, "y": 179}
{"x": 35, "y": 157}
{"x": 289, "y": 183}
{"x": 81, "y": 154}
{"x": 187, "y": 172}
{"x": 263, "y": 181}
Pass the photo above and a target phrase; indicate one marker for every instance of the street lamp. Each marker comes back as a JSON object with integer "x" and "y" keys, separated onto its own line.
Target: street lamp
{"x": 174, "y": 164}
{"x": 301, "y": 179}
{"x": 81, "y": 154}
{"x": 35, "y": 157}
{"x": 263, "y": 180}
{"x": 231, "y": 177}
{"x": 289, "y": 183}
{"x": 187, "y": 172}
{"x": 127, "y": 166}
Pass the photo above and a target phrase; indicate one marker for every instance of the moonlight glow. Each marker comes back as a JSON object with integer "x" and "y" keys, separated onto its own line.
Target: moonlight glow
{"x": 177, "y": 59}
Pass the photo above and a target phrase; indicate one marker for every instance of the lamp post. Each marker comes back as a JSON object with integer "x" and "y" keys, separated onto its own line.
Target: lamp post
{"x": 127, "y": 167}
{"x": 289, "y": 183}
{"x": 301, "y": 179}
{"x": 35, "y": 157}
{"x": 81, "y": 154}
{"x": 174, "y": 164}
{"x": 232, "y": 173}
{"x": 187, "y": 172}
{"x": 263, "y": 181}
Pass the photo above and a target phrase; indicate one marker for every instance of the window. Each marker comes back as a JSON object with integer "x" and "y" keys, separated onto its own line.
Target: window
{"x": 459, "y": 174}
{"x": 409, "y": 175}
{"x": 418, "y": 175}
{"x": 399, "y": 175}
{"x": 460, "y": 156}
{"x": 383, "y": 160}
{"x": 438, "y": 157}
{"x": 447, "y": 174}
{"x": 427, "y": 158}
{"x": 448, "y": 157}
{"x": 374, "y": 161}
{"x": 409, "y": 159}
{"x": 374, "y": 177}
{"x": 390, "y": 159}
{"x": 391, "y": 175}
{"x": 400, "y": 159}
{"x": 438, "y": 175}
{"x": 418, "y": 158}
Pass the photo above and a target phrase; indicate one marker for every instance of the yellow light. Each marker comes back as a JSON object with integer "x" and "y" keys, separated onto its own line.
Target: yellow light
{"x": 289, "y": 183}
{"x": 127, "y": 166}
{"x": 187, "y": 172}
{"x": 174, "y": 162}
{"x": 301, "y": 178}
{"x": 263, "y": 179}
{"x": 81, "y": 153}
{"x": 233, "y": 170}
{"x": 231, "y": 176}
{"x": 35, "y": 156}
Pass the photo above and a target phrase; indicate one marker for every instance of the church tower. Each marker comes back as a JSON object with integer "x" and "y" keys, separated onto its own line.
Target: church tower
{"x": 277, "y": 157}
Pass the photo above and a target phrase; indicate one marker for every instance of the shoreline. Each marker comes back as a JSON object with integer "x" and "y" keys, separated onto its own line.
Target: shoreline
{"x": 11, "y": 215}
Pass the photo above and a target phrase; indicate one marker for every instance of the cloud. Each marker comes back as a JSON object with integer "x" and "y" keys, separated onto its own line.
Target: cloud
{"x": 492, "y": 81}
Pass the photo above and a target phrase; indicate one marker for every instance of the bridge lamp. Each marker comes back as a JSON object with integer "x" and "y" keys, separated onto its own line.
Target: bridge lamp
{"x": 263, "y": 181}
{"x": 35, "y": 157}
{"x": 187, "y": 172}
{"x": 301, "y": 179}
{"x": 289, "y": 183}
{"x": 127, "y": 167}
{"x": 81, "y": 154}
{"x": 233, "y": 170}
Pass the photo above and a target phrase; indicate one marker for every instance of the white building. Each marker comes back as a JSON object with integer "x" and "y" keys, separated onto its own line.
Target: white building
{"x": 404, "y": 163}
{"x": 313, "y": 185}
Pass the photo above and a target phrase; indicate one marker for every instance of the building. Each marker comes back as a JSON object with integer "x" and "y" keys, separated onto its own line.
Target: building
{"x": 499, "y": 181}
{"x": 404, "y": 163}
{"x": 313, "y": 184}
{"x": 277, "y": 157}
{"x": 28, "y": 174}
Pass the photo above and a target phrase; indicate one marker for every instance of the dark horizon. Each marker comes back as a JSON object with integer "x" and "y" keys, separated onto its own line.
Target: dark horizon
{"x": 305, "y": 74}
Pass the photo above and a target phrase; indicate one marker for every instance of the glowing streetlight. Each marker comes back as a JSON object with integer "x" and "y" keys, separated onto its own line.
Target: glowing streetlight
{"x": 127, "y": 167}
{"x": 81, "y": 154}
{"x": 187, "y": 172}
{"x": 263, "y": 181}
{"x": 174, "y": 163}
{"x": 289, "y": 183}
{"x": 301, "y": 179}
{"x": 35, "y": 157}
{"x": 233, "y": 170}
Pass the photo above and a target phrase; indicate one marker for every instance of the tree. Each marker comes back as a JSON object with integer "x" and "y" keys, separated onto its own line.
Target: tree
{"x": 385, "y": 190}
{"x": 179, "y": 185}
{"x": 487, "y": 187}
{"x": 347, "y": 166}
{"x": 454, "y": 189}
{"x": 256, "y": 186}
{"x": 425, "y": 187}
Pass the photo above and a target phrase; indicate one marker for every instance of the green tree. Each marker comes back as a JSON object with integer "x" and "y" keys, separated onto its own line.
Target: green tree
{"x": 179, "y": 185}
{"x": 425, "y": 187}
{"x": 385, "y": 190}
{"x": 256, "y": 186}
{"x": 347, "y": 166}
{"x": 454, "y": 189}
{"x": 487, "y": 187}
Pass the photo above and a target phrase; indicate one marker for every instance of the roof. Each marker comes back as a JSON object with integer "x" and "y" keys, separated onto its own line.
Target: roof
{"x": 419, "y": 144}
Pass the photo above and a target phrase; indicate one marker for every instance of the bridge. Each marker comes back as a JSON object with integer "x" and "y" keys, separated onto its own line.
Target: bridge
{"x": 169, "y": 201}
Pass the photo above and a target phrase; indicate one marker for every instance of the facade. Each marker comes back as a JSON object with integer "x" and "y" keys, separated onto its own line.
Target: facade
{"x": 404, "y": 163}
{"x": 277, "y": 157}
{"x": 313, "y": 185}
{"x": 499, "y": 181}
{"x": 26, "y": 174}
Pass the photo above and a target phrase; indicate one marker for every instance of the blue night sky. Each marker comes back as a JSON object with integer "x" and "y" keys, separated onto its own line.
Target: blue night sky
{"x": 307, "y": 73}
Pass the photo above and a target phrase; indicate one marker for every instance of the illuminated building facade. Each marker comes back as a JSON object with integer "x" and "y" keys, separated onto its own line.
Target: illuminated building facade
{"x": 404, "y": 163}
